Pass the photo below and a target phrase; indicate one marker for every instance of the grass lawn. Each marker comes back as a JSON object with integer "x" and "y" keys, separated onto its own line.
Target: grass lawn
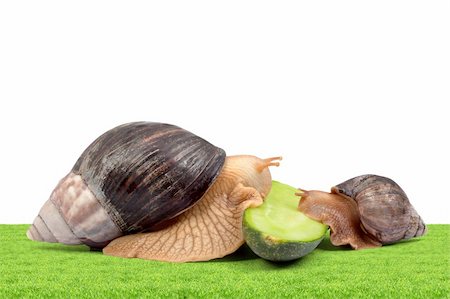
{"x": 419, "y": 268}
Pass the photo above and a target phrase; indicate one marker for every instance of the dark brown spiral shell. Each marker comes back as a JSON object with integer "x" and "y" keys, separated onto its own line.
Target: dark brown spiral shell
{"x": 141, "y": 174}
{"x": 384, "y": 208}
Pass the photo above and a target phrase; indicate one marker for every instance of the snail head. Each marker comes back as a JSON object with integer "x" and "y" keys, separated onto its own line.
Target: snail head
{"x": 254, "y": 172}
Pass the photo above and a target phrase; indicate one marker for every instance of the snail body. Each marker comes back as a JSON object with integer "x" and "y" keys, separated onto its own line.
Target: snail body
{"x": 365, "y": 211}
{"x": 138, "y": 179}
{"x": 210, "y": 229}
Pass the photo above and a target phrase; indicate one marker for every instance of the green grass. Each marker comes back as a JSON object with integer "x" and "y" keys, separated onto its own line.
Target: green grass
{"x": 419, "y": 268}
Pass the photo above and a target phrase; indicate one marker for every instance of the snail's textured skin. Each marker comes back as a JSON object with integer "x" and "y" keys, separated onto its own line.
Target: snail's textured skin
{"x": 340, "y": 214}
{"x": 139, "y": 174}
{"x": 210, "y": 229}
{"x": 365, "y": 211}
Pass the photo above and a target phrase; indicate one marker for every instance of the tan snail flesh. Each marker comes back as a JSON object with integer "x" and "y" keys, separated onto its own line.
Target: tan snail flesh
{"x": 212, "y": 228}
{"x": 340, "y": 214}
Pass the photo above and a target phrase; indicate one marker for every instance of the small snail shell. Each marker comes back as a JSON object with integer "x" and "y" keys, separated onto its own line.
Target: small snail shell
{"x": 138, "y": 179}
{"x": 365, "y": 211}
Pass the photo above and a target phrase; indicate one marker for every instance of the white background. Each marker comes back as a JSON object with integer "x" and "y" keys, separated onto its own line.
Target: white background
{"x": 338, "y": 88}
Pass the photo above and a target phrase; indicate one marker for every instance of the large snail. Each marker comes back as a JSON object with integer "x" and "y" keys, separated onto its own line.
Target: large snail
{"x": 154, "y": 191}
{"x": 366, "y": 211}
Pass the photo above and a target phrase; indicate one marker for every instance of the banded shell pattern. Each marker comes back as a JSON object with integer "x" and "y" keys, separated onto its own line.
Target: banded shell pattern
{"x": 133, "y": 178}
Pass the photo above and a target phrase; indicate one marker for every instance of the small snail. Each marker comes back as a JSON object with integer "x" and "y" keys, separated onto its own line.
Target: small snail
{"x": 366, "y": 211}
{"x": 154, "y": 191}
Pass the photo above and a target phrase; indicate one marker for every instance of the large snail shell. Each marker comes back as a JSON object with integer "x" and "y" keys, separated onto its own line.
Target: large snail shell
{"x": 132, "y": 178}
{"x": 385, "y": 211}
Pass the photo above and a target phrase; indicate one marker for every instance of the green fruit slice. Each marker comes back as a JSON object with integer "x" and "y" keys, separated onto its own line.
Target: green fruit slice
{"x": 277, "y": 230}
